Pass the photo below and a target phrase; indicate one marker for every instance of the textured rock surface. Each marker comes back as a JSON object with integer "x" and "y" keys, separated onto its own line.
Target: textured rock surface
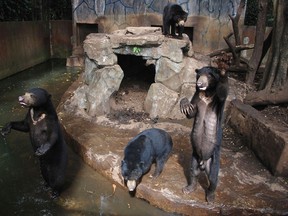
{"x": 156, "y": 93}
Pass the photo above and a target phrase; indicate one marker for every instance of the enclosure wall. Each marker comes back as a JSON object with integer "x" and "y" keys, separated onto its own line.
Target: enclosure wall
{"x": 25, "y": 44}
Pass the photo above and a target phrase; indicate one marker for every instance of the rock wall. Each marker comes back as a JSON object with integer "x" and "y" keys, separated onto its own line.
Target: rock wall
{"x": 174, "y": 71}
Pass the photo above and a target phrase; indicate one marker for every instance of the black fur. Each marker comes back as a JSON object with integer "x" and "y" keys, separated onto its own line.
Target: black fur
{"x": 46, "y": 136}
{"x": 206, "y": 106}
{"x": 151, "y": 145}
{"x": 172, "y": 15}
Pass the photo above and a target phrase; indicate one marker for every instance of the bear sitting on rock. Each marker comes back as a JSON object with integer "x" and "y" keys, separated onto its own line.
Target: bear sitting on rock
{"x": 206, "y": 106}
{"x": 151, "y": 145}
{"x": 46, "y": 136}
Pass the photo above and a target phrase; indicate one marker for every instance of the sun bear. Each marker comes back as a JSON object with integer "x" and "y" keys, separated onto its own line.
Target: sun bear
{"x": 206, "y": 106}
{"x": 46, "y": 137}
{"x": 174, "y": 16}
{"x": 151, "y": 145}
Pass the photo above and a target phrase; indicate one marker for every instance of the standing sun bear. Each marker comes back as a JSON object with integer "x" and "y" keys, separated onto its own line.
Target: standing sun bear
{"x": 174, "y": 16}
{"x": 206, "y": 106}
{"x": 46, "y": 137}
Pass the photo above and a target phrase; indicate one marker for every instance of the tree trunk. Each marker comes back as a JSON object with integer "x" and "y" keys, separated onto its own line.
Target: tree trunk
{"x": 265, "y": 97}
{"x": 275, "y": 83}
{"x": 281, "y": 75}
{"x": 235, "y": 21}
{"x": 259, "y": 40}
{"x": 273, "y": 58}
{"x": 266, "y": 45}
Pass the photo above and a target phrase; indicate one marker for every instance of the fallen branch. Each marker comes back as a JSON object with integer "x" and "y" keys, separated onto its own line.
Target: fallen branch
{"x": 266, "y": 97}
{"x": 238, "y": 49}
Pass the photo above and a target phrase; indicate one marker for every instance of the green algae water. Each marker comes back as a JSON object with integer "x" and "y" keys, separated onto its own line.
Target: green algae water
{"x": 22, "y": 190}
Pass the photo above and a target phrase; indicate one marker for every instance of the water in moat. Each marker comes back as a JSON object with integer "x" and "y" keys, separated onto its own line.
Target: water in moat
{"x": 22, "y": 187}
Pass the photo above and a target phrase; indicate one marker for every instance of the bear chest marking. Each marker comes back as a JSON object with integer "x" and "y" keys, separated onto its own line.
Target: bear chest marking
{"x": 43, "y": 115}
{"x": 204, "y": 98}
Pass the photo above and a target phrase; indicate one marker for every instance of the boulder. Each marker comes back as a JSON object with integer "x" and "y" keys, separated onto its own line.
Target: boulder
{"x": 104, "y": 82}
{"x": 98, "y": 47}
{"x": 168, "y": 73}
{"x": 159, "y": 101}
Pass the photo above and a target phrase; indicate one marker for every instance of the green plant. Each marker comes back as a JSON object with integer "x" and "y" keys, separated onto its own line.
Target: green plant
{"x": 136, "y": 50}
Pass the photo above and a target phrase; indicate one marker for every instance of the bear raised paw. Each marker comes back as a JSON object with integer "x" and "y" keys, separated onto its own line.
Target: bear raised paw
{"x": 46, "y": 136}
{"x": 174, "y": 16}
{"x": 148, "y": 146}
{"x": 206, "y": 106}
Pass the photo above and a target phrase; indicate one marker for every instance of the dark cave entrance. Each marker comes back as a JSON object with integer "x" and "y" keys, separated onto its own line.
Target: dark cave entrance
{"x": 137, "y": 71}
{"x": 139, "y": 74}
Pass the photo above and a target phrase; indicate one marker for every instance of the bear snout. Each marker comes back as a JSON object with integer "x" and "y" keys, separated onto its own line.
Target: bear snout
{"x": 201, "y": 86}
{"x": 181, "y": 23}
{"x": 131, "y": 184}
{"x": 21, "y": 100}
{"x": 202, "y": 83}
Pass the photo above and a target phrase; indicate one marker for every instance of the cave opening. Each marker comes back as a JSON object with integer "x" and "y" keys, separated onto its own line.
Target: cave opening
{"x": 139, "y": 74}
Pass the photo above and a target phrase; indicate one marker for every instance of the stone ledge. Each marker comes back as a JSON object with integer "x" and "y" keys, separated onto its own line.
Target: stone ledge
{"x": 268, "y": 140}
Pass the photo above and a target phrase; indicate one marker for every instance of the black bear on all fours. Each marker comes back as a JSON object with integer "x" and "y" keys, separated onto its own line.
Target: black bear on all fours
{"x": 46, "y": 137}
{"x": 145, "y": 148}
{"x": 174, "y": 16}
{"x": 206, "y": 106}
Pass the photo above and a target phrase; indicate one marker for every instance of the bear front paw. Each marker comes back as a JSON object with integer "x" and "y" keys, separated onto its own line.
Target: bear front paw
{"x": 6, "y": 130}
{"x": 39, "y": 152}
{"x": 42, "y": 150}
{"x": 186, "y": 107}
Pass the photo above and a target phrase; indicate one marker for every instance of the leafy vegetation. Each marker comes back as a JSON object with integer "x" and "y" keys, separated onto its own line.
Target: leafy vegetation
{"x": 252, "y": 13}
{"x": 30, "y": 10}
{"x": 136, "y": 50}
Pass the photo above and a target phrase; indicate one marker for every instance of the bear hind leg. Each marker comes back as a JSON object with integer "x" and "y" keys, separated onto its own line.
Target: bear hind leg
{"x": 194, "y": 172}
{"x": 44, "y": 173}
{"x": 166, "y": 28}
{"x": 213, "y": 178}
{"x": 57, "y": 182}
{"x": 160, "y": 162}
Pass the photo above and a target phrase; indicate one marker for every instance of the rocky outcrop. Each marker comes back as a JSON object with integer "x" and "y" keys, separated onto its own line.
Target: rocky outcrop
{"x": 174, "y": 70}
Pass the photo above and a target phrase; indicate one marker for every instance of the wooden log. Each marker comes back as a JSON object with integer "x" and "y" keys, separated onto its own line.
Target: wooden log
{"x": 266, "y": 97}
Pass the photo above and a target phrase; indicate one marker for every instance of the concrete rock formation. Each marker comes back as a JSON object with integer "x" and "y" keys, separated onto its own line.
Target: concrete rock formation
{"x": 174, "y": 70}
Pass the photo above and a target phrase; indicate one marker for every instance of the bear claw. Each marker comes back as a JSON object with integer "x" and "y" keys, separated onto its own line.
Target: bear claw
{"x": 188, "y": 189}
